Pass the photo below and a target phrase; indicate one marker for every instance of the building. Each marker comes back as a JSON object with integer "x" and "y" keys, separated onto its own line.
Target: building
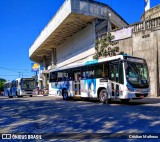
{"x": 70, "y": 35}
{"x": 142, "y": 40}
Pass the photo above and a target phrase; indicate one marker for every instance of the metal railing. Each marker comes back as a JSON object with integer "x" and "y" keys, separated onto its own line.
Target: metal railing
{"x": 146, "y": 25}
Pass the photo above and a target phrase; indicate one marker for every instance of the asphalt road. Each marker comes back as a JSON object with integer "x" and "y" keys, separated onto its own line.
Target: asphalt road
{"x": 53, "y": 115}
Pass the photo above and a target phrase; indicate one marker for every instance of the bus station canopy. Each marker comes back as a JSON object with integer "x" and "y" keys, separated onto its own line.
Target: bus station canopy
{"x": 72, "y": 17}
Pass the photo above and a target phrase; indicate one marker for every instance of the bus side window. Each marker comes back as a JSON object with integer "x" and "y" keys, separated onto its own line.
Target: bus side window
{"x": 98, "y": 71}
{"x": 60, "y": 76}
{"x": 101, "y": 70}
{"x": 69, "y": 75}
{"x": 53, "y": 76}
{"x": 112, "y": 77}
{"x": 117, "y": 73}
{"x": 88, "y": 72}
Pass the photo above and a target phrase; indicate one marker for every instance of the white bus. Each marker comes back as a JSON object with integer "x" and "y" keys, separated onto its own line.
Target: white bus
{"x": 120, "y": 77}
{"x": 20, "y": 87}
{"x": 10, "y": 88}
{"x": 25, "y": 86}
{"x": 7, "y": 86}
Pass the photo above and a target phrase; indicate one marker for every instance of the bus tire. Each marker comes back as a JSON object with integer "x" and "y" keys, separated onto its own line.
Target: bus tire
{"x": 65, "y": 95}
{"x": 103, "y": 97}
{"x": 125, "y": 100}
{"x": 30, "y": 95}
{"x": 9, "y": 96}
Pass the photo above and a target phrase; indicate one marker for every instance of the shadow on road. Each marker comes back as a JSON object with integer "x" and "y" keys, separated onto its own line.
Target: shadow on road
{"x": 50, "y": 115}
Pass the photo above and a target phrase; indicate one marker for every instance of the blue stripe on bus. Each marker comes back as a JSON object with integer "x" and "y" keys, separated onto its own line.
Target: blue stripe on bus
{"x": 91, "y": 62}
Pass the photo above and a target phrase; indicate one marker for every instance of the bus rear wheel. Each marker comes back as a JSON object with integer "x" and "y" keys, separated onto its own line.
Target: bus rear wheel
{"x": 65, "y": 95}
{"x": 103, "y": 97}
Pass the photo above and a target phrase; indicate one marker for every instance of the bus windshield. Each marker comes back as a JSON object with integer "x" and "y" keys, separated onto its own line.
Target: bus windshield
{"x": 137, "y": 74}
{"x": 28, "y": 84}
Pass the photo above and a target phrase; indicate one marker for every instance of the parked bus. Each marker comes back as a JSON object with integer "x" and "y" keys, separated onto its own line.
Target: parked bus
{"x": 7, "y": 86}
{"x": 120, "y": 77}
{"x": 20, "y": 87}
{"x": 10, "y": 88}
{"x": 25, "y": 86}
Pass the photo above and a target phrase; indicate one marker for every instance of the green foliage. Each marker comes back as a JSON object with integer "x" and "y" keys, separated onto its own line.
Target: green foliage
{"x": 2, "y": 81}
{"x": 105, "y": 46}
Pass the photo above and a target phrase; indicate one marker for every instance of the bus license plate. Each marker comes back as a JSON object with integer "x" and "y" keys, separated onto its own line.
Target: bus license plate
{"x": 142, "y": 96}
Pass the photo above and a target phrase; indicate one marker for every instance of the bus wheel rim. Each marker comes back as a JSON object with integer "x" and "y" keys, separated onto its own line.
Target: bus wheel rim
{"x": 104, "y": 96}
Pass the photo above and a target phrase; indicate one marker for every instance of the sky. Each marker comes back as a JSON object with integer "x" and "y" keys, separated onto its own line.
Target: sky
{"x": 21, "y": 21}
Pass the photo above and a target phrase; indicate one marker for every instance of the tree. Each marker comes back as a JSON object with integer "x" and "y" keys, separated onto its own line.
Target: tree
{"x": 105, "y": 46}
{"x": 2, "y": 81}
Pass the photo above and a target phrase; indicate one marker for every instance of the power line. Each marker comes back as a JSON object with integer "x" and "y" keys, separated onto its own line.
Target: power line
{"x": 14, "y": 70}
{"x": 8, "y": 75}
{"x": 7, "y": 69}
{"x": 24, "y": 74}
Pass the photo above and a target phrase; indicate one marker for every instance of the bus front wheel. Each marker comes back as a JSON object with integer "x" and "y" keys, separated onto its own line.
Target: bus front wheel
{"x": 103, "y": 97}
{"x": 65, "y": 95}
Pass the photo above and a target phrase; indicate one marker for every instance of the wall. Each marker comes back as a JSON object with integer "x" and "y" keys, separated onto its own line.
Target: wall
{"x": 73, "y": 49}
{"x": 147, "y": 48}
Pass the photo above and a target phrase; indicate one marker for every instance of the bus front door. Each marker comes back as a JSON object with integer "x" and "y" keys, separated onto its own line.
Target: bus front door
{"x": 76, "y": 84}
{"x": 114, "y": 78}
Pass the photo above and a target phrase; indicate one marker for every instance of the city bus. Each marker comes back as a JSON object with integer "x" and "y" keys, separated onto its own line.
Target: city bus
{"x": 119, "y": 77}
{"x": 7, "y": 88}
{"x": 25, "y": 86}
{"x": 20, "y": 87}
{"x": 10, "y": 88}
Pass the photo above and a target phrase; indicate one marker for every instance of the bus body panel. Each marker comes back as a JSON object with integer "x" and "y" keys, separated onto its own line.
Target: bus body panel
{"x": 55, "y": 88}
{"x": 88, "y": 88}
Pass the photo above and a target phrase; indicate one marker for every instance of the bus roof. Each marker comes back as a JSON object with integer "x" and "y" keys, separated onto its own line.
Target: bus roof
{"x": 7, "y": 82}
{"x": 94, "y": 61}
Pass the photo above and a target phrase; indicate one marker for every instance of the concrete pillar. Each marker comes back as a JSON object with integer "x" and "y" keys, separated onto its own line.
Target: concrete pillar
{"x": 45, "y": 80}
{"x": 44, "y": 62}
{"x": 109, "y": 26}
{"x": 45, "y": 68}
{"x": 109, "y": 22}
{"x": 54, "y": 57}
{"x": 40, "y": 84}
